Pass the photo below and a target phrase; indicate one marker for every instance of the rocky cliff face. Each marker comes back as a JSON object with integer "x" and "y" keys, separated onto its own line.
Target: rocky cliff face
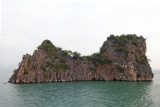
{"x": 120, "y": 58}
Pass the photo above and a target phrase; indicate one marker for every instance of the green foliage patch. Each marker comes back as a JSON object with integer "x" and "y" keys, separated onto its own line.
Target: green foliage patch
{"x": 87, "y": 57}
{"x": 35, "y": 77}
{"x": 92, "y": 68}
{"x": 135, "y": 42}
{"x": 45, "y": 75}
{"x": 144, "y": 60}
{"x": 120, "y": 41}
{"x": 99, "y": 59}
{"x": 120, "y": 69}
{"x": 76, "y": 55}
{"x": 60, "y": 66}
{"x": 29, "y": 60}
{"x": 25, "y": 71}
{"x": 43, "y": 67}
{"x": 65, "y": 53}
{"x": 49, "y": 48}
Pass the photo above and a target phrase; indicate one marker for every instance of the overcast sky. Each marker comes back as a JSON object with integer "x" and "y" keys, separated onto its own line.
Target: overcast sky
{"x": 77, "y": 25}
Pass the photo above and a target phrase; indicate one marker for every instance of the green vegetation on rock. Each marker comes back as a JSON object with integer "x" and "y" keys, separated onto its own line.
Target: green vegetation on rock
{"x": 119, "y": 42}
{"x": 87, "y": 57}
{"x": 144, "y": 60}
{"x": 99, "y": 59}
{"x": 59, "y": 67}
{"x": 65, "y": 53}
{"x": 76, "y": 55}
{"x": 45, "y": 74}
{"x": 43, "y": 67}
{"x": 35, "y": 77}
{"x": 132, "y": 52}
{"x": 29, "y": 60}
{"x": 49, "y": 48}
{"x": 34, "y": 67}
{"x": 92, "y": 68}
{"x": 26, "y": 71}
{"x": 135, "y": 42}
{"x": 120, "y": 69}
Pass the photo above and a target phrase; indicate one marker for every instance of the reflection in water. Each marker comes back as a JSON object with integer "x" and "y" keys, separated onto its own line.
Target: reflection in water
{"x": 82, "y": 94}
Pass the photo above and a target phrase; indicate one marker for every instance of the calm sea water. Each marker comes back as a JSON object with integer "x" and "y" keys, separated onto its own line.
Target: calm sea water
{"x": 80, "y": 94}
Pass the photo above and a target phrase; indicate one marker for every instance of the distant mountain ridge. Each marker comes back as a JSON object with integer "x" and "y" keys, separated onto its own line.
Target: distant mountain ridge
{"x": 121, "y": 58}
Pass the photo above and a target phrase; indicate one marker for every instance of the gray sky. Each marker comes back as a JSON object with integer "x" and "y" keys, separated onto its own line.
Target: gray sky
{"x": 77, "y": 25}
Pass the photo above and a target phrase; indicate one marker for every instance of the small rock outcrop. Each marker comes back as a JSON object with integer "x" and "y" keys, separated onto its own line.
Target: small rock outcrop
{"x": 121, "y": 58}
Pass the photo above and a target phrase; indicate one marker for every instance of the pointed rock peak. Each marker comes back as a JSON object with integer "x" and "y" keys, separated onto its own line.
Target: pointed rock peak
{"x": 46, "y": 42}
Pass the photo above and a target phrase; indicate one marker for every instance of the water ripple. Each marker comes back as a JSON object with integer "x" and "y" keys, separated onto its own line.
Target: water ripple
{"x": 81, "y": 94}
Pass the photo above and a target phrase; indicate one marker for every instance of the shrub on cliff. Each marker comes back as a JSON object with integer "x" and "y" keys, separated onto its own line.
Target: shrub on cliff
{"x": 144, "y": 59}
{"x": 120, "y": 69}
{"x": 65, "y": 53}
{"x": 111, "y": 37}
{"x": 87, "y": 57}
{"x": 35, "y": 77}
{"x": 135, "y": 42}
{"x": 59, "y": 67}
{"x": 26, "y": 71}
{"x": 45, "y": 75}
{"x": 119, "y": 42}
{"x": 43, "y": 67}
{"x": 122, "y": 49}
{"x": 92, "y": 68}
{"x": 76, "y": 55}
{"x": 59, "y": 49}
{"x": 29, "y": 60}
{"x": 99, "y": 59}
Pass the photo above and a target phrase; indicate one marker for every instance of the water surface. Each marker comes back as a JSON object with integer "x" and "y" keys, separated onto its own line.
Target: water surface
{"x": 80, "y": 94}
